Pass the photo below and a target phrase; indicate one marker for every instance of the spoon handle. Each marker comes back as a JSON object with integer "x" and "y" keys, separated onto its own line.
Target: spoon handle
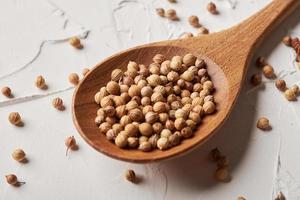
{"x": 254, "y": 29}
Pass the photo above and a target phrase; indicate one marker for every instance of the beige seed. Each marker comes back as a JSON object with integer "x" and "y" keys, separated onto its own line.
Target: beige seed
{"x": 290, "y": 95}
{"x": 18, "y": 155}
{"x": 145, "y": 146}
{"x": 295, "y": 88}
{"x": 240, "y": 198}
{"x": 75, "y": 42}
{"x": 194, "y": 21}
{"x": 203, "y": 31}
{"x": 268, "y": 71}
{"x": 222, "y": 174}
{"x": 287, "y": 40}
{"x": 130, "y": 175}
{"x": 15, "y": 118}
{"x": 58, "y": 103}
{"x": 159, "y": 58}
{"x": 212, "y": 8}
{"x": 146, "y": 129}
{"x": 74, "y": 78}
{"x": 187, "y": 132}
{"x": 186, "y": 35}
{"x": 179, "y": 123}
{"x": 40, "y": 82}
{"x": 171, "y": 15}
{"x": 163, "y": 143}
{"x": 6, "y": 91}
{"x": 133, "y": 142}
{"x": 85, "y": 71}
{"x": 209, "y": 107}
{"x": 280, "y": 84}
{"x": 113, "y": 88}
{"x": 263, "y": 123}
{"x": 12, "y": 179}
{"x": 160, "y": 12}
{"x": 116, "y": 75}
{"x": 255, "y": 79}
{"x": 121, "y": 141}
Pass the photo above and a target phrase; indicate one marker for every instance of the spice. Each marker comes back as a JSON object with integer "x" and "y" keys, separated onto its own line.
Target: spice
{"x": 130, "y": 175}
{"x": 116, "y": 75}
{"x": 290, "y": 95}
{"x": 268, "y": 71}
{"x": 287, "y": 40}
{"x": 113, "y": 88}
{"x": 163, "y": 143}
{"x": 171, "y": 15}
{"x": 6, "y": 91}
{"x": 280, "y": 196}
{"x": 74, "y": 78}
{"x": 145, "y": 146}
{"x": 121, "y": 141}
{"x": 15, "y": 118}
{"x": 160, "y": 12}
{"x": 70, "y": 143}
{"x": 12, "y": 179}
{"x": 58, "y": 103}
{"x": 186, "y": 35}
{"x": 75, "y": 42}
{"x": 172, "y": 1}
{"x": 85, "y": 71}
{"x": 295, "y": 89}
{"x": 222, "y": 174}
{"x": 40, "y": 83}
{"x": 212, "y": 8}
{"x": 255, "y": 79}
{"x": 240, "y": 198}
{"x": 19, "y": 155}
{"x": 194, "y": 21}
{"x": 202, "y": 31}
{"x": 263, "y": 123}
{"x": 280, "y": 84}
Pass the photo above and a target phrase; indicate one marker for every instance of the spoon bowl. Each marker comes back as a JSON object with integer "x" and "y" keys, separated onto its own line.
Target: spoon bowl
{"x": 227, "y": 55}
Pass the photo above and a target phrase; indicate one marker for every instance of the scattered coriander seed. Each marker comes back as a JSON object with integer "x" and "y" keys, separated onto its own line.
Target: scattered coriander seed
{"x": 12, "y": 179}
{"x": 280, "y": 196}
{"x": 261, "y": 61}
{"x": 159, "y": 58}
{"x": 19, "y": 155}
{"x": 222, "y": 174}
{"x": 212, "y": 8}
{"x": 172, "y": 1}
{"x": 74, "y": 78}
{"x": 70, "y": 143}
{"x": 6, "y": 91}
{"x": 287, "y": 40}
{"x": 113, "y": 88}
{"x": 263, "y": 123}
{"x": 58, "y": 103}
{"x": 174, "y": 139}
{"x": 130, "y": 175}
{"x": 268, "y": 71}
{"x": 240, "y": 198}
{"x": 85, "y": 71}
{"x": 290, "y": 95}
{"x": 160, "y": 12}
{"x": 75, "y": 42}
{"x": 40, "y": 83}
{"x": 15, "y": 118}
{"x": 202, "y": 31}
{"x": 194, "y": 21}
{"x": 186, "y": 35}
{"x": 171, "y": 15}
{"x": 209, "y": 107}
{"x": 280, "y": 85}
{"x": 296, "y": 89}
{"x": 255, "y": 79}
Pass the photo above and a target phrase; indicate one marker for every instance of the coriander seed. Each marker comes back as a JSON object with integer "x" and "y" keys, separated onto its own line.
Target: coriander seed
{"x": 263, "y": 124}
{"x": 295, "y": 89}
{"x": 12, "y": 179}
{"x": 268, "y": 71}
{"x": 75, "y": 42}
{"x": 222, "y": 173}
{"x": 255, "y": 79}
{"x": 116, "y": 75}
{"x": 160, "y": 12}
{"x": 121, "y": 141}
{"x": 19, "y": 155}
{"x": 212, "y": 8}
{"x": 145, "y": 146}
{"x": 290, "y": 95}
{"x": 202, "y": 31}
{"x": 159, "y": 58}
{"x": 113, "y": 88}
{"x": 40, "y": 83}
{"x": 6, "y": 91}
{"x": 194, "y": 21}
{"x": 15, "y": 118}
{"x": 74, "y": 78}
{"x": 287, "y": 40}
{"x": 70, "y": 143}
{"x": 171, "y": 15}
{"x": 163, "y": 143}
{"x": 209, "y": 107}
{"x": 280, "y": 84}
{"x": 58, "y": 103}
{"x": 85, "y": 71}
{"x": 130, "y": 175}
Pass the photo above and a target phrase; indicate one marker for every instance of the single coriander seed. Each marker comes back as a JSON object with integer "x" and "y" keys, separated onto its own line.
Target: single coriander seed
{"x": 268, "y": 71}
{"x": 280, "y": 85}
{"x": 19, "y": 155}
{"x": 15, "y": 118}
{"x": 194, "y": 21}
{"x": 222, "y": 174}
{"x": 171, "y": 15}
{"x": 255, "y": 79}
{"x": 75, "y": 42}
{"x": 6, "y": 91}
{"x": 130, "y": 175}
{"x": 12, "y": 179}
{"x": 287, "y": 40}
{"x": 70, "y": 143}
{"x": 40, "y": 83}
{"x": 212, "y": 8}
{"x": 58, "y": 103}
{"x": 290, "y": 95}
{"x": 160, "y": 12}
{"x": 85, "y": 71}
{"x": 74, "y": 78}
{"x": 263, "y": 124}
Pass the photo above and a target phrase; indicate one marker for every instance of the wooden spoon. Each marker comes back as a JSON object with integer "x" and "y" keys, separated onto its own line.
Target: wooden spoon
{"x": 227, "y": 53}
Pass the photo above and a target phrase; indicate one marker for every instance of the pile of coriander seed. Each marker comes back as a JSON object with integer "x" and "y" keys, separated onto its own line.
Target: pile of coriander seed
{"x": 156, "y": 106}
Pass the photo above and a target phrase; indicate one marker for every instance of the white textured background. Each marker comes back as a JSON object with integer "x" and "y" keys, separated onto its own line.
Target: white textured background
{"x": 33, "y": 41}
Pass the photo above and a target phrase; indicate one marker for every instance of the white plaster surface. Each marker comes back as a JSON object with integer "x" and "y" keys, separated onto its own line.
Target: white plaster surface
{"x": 33, "y": 38}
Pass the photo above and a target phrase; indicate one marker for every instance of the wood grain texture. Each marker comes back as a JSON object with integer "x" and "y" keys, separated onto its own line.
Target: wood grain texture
{"x": 227, "y": 53}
